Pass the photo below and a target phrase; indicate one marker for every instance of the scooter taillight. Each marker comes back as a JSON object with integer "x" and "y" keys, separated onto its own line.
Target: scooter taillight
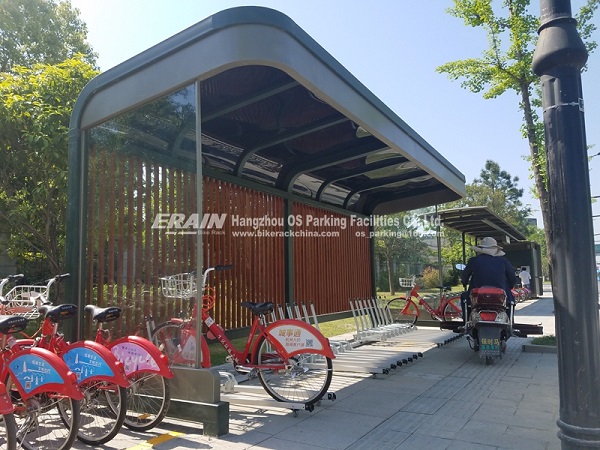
{"x": 488, "y": 316}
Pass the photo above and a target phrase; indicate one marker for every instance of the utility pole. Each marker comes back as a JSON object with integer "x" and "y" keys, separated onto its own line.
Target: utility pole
{"x": 559, "y": 57}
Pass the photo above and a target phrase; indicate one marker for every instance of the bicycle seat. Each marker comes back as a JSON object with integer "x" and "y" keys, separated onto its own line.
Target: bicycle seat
{"x": 104, "y": 315}
{"x": 258, "y": 308}
{"x": 12, "y": 324}
{"x": 58, "y": 312}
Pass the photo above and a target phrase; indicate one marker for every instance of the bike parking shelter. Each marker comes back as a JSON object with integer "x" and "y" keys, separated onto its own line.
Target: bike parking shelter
{"x": 237, "y": 141}
{"x": 479, "y": 222}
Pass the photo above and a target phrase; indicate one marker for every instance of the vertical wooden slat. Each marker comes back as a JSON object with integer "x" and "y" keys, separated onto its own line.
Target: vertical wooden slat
{"x": 129, "y": 299}
{"x": 139, "y": 244}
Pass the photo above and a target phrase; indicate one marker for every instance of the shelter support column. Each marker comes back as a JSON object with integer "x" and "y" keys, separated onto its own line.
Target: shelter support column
{"x": 558, "y": 60}
{"x": 288, "y": 251}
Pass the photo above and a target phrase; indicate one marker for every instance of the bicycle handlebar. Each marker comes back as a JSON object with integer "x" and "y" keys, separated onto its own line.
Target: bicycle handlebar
{"x": 10, "y": 278}
{"x": 210, "y": 269}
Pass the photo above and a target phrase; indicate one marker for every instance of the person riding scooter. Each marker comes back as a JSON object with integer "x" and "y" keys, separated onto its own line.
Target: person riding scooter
{"x": 489, "y": 268}
{"x": 488, "y": 322}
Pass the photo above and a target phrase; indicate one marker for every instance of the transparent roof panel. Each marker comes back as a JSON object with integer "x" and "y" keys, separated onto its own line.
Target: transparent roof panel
{"x": 163, "y": 127}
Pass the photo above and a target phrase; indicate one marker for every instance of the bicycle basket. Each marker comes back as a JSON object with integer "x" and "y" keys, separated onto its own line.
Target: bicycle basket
{"x": 25, "y": 300}
{"x": 182, "y": 285}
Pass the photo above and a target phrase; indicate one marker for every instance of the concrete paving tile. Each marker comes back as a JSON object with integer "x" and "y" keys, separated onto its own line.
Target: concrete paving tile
{"x": 500, "y": 401}
{"x": 380, "y": 439}
{"x": 458, "y": 408}
{"x": 333, "y": 429}
{"x": 422, "y": 441}
{"x": 442, "y": 426}
{"x": 404, "y": 421}
{"x": 441, "y": 391}
{"x": 494, "y": 434}
{"x": 506, "y": 394}
{"x": 276, "y": 443}
{"x": 425, "y": 405}
{"x": 461, "y": 445}
{"x": 373, "y": 402}
{"x": 546, "y": 436}
{"x": 487, "y": 409}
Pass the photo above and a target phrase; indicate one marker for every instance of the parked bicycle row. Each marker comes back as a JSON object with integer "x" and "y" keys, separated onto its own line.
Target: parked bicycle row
{"x": 58, "y": 391}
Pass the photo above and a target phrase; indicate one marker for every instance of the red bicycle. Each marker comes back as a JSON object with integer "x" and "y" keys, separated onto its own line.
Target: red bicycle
{"x": 133, "y": 380}
{"x": 405, "y": 309}
{"x": 292, "y": 359}
{"x": 100, "y": 376}
{"x": 42, "y": 388}
{"x": 147, "y": 371}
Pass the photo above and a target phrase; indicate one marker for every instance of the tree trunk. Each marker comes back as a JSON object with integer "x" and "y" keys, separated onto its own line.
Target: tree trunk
{"x": 538, "y": 157}
{"x": 388, "y": 261}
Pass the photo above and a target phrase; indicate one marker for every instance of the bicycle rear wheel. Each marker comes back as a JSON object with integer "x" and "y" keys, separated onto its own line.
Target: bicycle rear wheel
{"x": 148, "y": 400}
{"x": 305, "y": 379}
{"x": 102, "y": 412}
{"x": 40, "y": 422}
{"x": 403, "y": 311}
{"x": 167, "y": 337}
{"x": 8, "y": 432}
{"x": 453, "y": 310}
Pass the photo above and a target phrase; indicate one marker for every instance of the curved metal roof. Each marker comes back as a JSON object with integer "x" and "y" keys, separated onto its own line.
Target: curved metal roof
{"x": 479, "y": 222}
{"x": 278, "y": 112}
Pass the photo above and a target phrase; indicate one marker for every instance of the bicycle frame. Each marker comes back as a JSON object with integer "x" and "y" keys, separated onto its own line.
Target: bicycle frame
{"x": 289, "y": 337}
{"x": 438, "y": 312}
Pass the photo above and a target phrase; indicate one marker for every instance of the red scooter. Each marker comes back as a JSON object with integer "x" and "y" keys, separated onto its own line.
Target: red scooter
{"x": 489, "y": 325}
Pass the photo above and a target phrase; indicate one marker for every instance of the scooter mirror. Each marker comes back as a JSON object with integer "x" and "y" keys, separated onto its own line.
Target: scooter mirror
{"x": 460, "y": 266}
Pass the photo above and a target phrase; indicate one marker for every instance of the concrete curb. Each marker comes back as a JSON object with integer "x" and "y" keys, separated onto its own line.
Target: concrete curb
{"x": 532, "y": 348}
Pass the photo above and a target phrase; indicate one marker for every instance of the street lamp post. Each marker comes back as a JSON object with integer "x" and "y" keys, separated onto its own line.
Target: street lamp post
{"x": 559, "y": 57}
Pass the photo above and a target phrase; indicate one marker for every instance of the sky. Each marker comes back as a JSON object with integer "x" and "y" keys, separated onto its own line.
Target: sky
{"x": 393, "y": 48}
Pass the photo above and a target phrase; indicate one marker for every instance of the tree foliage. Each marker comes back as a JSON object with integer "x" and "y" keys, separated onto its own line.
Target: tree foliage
{"x": 506, "y": 65}
{"x": 41, "y": 31}
{"x": 35, "y": 109}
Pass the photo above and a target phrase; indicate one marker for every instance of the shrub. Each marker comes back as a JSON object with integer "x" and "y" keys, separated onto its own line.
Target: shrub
{"x": 431, "y": 277}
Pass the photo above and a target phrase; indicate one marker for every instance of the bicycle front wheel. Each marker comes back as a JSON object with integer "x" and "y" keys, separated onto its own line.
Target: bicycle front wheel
{"x": 148, "y": 400}
{"x": 403, "y": 311}
{"x": 102, "y": 412}
{"x": 8, "y": 432}
{"x": 302, "y": 378}
{"x": 40, "y": 422}
{"x": 453, "y": 310}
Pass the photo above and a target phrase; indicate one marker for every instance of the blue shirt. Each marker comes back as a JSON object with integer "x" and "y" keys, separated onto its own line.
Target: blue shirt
{"x": 485, "y": 270}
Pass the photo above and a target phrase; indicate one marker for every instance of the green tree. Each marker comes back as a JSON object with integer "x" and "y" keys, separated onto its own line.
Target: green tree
{"x": 35, "y": 109}
{"x": 41, "y": 31}
{"x": 506, "y": 66}
{"x": 398, "y": 237}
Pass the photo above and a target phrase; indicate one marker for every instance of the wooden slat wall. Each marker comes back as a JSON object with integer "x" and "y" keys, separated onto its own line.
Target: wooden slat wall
{"x": 258, "y": 265}
{"x": 330, "y": 269}
{"x": 126, "y": 257}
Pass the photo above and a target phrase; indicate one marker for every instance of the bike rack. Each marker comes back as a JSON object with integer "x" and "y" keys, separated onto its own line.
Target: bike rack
{"x": 254, "y": 395}
{"x": 373, "y": 322}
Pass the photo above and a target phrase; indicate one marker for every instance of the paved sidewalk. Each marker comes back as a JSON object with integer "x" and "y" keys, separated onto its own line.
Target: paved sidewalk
{"x": 449, "y": 399}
